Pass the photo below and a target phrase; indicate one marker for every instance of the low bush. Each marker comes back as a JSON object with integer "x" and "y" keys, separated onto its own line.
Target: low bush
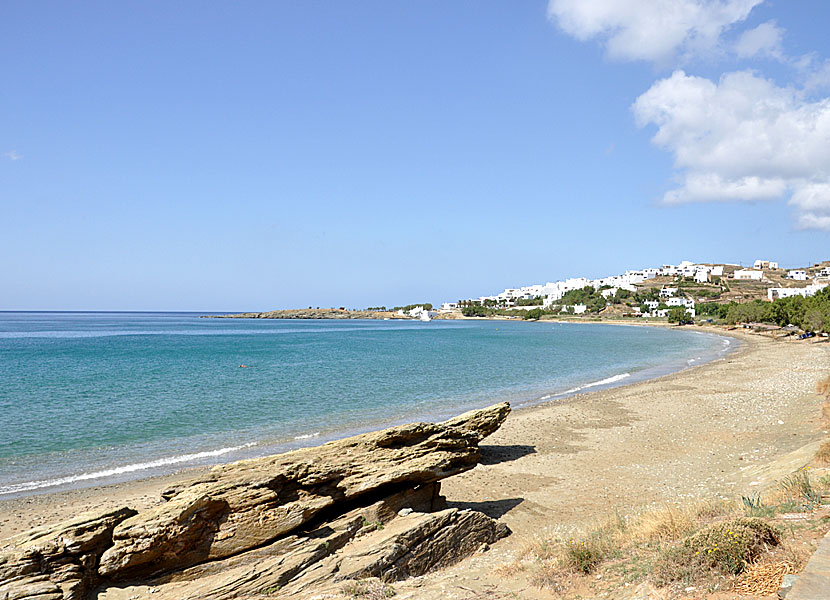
{"x": 583, "y": 556}
{"x": 724, "y": 548}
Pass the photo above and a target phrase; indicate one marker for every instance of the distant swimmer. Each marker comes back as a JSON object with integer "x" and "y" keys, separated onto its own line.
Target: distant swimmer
{"x": 243, "y": 366}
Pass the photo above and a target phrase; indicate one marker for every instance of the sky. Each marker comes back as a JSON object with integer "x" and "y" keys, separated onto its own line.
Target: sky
{"x": 230, "y": 156}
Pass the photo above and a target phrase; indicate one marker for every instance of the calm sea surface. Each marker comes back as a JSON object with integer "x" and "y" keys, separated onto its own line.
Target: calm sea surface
{"x": 91, "y": 398}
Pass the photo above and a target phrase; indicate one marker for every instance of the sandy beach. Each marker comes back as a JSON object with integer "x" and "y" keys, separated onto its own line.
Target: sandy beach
{"x": 718, "y": 430}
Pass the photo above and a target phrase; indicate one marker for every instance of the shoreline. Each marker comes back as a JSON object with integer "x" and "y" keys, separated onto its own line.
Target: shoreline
{"x": 159, "y": 467}
{"x": 23, "y": 512}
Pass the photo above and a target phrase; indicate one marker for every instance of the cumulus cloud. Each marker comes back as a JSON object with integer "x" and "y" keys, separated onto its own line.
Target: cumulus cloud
{"x": 652, "y": 30}
{"x": 763, "y": 41}
{"x": 12, "y": 155}
{"x": 743, "y": 138}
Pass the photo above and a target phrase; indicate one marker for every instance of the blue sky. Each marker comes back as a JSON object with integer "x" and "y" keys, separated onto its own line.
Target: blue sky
{"x": 260, "y": 155}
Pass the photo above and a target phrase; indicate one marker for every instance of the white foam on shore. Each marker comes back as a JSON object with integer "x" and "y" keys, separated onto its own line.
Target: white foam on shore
{"x": 162, "y": 462}
{"x": 606, "y": 381}
{"x": 307, "y": 436}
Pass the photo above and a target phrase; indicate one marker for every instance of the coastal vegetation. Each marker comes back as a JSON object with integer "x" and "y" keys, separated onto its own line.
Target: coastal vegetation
{"x": 745, "y": 546}
{"x": 591, "y": 297}
{"x": 408, "y": 307}
{"x": 811, "y": 313}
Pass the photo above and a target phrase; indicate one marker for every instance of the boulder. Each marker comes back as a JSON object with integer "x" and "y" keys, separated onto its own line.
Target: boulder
{"x": 394, "y": 538}
{"x": 292, "y": 523}
{"x": 57, "y": 562}
{"x": 250, "y": 503}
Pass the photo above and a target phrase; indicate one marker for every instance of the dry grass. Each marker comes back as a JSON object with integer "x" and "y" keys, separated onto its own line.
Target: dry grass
{"x": 693, "y": 543}
{"x": 763, "y": 579}
{"x": 823, "y": 454}
{"x": 823, "y": 388}
{"x": 554, "y": 563}
{"x": 675, "y": 522}
{"x": 368, "y": 589}
{"x": 708, "y": 544}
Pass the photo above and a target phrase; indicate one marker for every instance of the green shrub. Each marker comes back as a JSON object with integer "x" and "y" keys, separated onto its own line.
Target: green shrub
{"x": 583, "y": 556}
{"x": 725, "y": 548}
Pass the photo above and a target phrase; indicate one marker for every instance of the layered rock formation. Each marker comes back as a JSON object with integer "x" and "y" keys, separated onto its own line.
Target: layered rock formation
{"x": 363, "y": 506}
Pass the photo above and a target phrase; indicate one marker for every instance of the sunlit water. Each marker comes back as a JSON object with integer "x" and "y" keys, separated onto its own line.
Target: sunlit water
{"x": 91, "y": 398}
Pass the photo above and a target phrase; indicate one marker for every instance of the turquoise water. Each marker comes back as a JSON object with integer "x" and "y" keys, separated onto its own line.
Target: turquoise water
{"x": 90, "y": 398}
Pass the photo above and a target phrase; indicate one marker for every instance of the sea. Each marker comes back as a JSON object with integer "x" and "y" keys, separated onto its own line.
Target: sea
{"x": 96, "y": 398}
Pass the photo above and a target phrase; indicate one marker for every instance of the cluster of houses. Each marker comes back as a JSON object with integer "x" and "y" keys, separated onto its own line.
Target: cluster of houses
{"x": 551, "y": 292}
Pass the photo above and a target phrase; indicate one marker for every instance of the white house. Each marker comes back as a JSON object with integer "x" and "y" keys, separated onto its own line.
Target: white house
{"x": 448, "y": 306}
{"x": 668, "y": 292}
{"x": 576, "y": 309}
{"x": 810, "y": 290}
{"x": 652, "y": 304}
{"x": 677, "y": 301}
{"x": 765, "y": 264}
{"x": 749, "y": 274}
{"x": 825, "y": 272}
{"x": 797, "y": 275}
{"x": 702, "y": 276}
{"x": 717, "y": 271}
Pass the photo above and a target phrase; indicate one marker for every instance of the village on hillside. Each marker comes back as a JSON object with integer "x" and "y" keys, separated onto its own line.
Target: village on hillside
{"x": 684, "y": 291}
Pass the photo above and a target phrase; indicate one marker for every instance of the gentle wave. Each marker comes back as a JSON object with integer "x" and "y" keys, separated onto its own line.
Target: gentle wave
{"x": 307, "y": 436}
{"x": 162, "y": 462}
{"x": 612, "y": 379}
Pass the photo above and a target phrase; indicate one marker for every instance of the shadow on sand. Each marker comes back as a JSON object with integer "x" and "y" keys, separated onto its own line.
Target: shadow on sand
{"x": 494, "y": 509}
{"x": 494, "y": 455}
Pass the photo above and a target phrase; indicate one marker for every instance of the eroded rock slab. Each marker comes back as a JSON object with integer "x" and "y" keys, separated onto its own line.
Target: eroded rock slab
{"x": 247, "y": 504}
{"x": 383, "y": 540}
{"x": 362, "y": 506}
{"x": 57, "y": 562}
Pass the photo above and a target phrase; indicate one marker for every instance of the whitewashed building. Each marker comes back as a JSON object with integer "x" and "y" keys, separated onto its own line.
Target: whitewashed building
{"x": 765, "y": 264}
{"x": 677, "y": 301}
{"x": 797, "y": 275}
{"x": 810, "y": 290}
{"x": 749, "y": 274}
{"x": 668, "y": 292}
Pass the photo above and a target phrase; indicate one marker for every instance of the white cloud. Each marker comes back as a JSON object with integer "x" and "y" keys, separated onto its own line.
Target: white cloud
{"x": 743, "y": 138}
{"x": 12, "y": 155}
{"x": 817, "y": 75}
{"x": 653, "y": 30}
{"x": 764, "y": 41}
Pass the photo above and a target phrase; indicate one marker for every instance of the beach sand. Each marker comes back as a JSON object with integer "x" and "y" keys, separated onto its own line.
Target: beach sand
{"x": 719, "y": 430}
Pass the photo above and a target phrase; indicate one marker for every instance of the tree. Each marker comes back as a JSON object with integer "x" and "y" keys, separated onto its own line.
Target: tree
{"x": 475, "y": 311}
{"x": 677, "y": 314}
